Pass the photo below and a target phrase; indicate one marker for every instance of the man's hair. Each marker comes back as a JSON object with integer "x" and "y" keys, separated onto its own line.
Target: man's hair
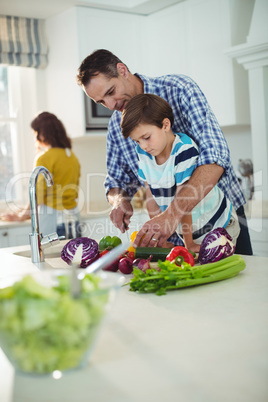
{"x": 51, "y": 130}
{"x": 145, "y": 109}
{"x": 100, "y": 61}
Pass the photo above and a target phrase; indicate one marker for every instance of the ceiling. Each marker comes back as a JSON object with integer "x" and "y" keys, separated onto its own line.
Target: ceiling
{"x": 46, "y": 8}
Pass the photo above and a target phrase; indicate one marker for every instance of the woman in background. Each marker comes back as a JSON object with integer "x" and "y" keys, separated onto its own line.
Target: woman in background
{"x": 58, "y": 211}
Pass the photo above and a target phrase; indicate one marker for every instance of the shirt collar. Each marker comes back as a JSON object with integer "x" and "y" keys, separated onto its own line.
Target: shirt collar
{"x": 147, "y": 84}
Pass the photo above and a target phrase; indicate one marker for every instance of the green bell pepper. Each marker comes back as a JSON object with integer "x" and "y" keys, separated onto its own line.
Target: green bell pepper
{"x": 108, "y": 242}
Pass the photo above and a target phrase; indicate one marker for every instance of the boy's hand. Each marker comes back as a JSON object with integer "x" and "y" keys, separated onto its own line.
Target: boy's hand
{"x": 193, "y": 247}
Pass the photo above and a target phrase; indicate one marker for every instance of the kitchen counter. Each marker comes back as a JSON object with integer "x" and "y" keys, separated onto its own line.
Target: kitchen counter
{"x": 202, "y": 344}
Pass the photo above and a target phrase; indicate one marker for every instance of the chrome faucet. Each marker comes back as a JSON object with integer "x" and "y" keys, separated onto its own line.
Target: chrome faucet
{"x": 38, "y": 242}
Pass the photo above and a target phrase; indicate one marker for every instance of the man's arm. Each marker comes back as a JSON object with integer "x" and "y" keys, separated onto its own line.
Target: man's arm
{"x": 204, "y": 178}
{"x": 121, "y": 208}
{"x": 121, "y": 182}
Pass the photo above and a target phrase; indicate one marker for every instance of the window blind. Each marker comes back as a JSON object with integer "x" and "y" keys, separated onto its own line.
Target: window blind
{"x": 23, "y": 42}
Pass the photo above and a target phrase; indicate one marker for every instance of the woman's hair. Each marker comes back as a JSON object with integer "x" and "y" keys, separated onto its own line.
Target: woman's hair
{"x": 100, "y": 61}
{"x": 145, "y": 109}
{"x": 51, "y": 130}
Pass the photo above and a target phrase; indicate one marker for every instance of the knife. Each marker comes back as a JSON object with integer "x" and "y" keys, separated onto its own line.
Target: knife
{"x": 127, "y": 232}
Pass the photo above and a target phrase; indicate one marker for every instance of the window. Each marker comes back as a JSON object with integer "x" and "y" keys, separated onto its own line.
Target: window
{"x": 17, "y": 107}
{"x": 8, "y": 136}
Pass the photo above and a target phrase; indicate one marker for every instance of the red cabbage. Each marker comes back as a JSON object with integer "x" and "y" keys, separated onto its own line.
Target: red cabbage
{"x": 215, "y": 246}
{"x": 90, "y": 251}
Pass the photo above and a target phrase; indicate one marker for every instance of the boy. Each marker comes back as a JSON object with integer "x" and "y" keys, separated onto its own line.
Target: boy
{"x": 166, "y": 162}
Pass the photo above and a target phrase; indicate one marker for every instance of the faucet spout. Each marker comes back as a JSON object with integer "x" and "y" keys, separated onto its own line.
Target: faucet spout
{"x": 36, "y": 236}
{"x": 32, "y": 194}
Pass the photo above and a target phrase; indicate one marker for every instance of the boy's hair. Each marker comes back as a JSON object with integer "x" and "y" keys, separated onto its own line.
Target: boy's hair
{"x": 100, "y": 61}
{"x": 51, "y": 130}
{"x": 145, "y": 109}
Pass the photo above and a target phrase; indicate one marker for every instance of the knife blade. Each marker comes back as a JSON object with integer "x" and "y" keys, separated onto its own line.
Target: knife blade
{"x": 127, "y": 232}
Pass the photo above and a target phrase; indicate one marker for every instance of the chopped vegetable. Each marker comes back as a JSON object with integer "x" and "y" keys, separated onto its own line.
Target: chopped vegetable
{"x": 132, "y": 238}
{"x": 44, "y": 329}
{"x": 108, "y": 242}
{"x": 90, "y": 251}
{"x": 179, "y": 255}
{"x": 215, "y": 246}
{"x": 131, "y": 255}
{"x": 172, "y": 277}
{"x": 158, "y": 253}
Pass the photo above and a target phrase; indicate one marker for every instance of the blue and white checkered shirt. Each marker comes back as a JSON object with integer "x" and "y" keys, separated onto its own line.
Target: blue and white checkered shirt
{"x": 192, "y": 116}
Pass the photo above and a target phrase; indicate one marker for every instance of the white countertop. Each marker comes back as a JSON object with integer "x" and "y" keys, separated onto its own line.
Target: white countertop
{"x": 208, "y": 343}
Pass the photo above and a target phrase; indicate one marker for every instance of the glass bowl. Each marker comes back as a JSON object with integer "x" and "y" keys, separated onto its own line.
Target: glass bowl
{"x": 43, "y": 328}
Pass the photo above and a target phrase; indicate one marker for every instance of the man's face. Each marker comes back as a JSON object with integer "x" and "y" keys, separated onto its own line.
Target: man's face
{"x": 113, "y": 93}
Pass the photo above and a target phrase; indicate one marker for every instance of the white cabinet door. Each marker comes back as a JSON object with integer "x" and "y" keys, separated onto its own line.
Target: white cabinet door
{"x": 19, "y": 236}
{"x": 258, "y": 229}
{"x": 4, "y": 238}
{"x": 210, "y": 25}
{"x": 191, "y": 38}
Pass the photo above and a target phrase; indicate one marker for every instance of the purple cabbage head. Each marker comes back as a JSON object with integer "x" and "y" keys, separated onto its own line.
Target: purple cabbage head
{"x": 90, "y": 251}
{"x": 215, "y": 246}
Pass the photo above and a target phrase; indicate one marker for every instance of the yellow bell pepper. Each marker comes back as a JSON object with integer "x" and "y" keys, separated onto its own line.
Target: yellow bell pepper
{"x": 131, "y": 249}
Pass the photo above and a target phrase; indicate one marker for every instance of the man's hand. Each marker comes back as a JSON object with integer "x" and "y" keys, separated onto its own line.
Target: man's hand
{"x": 121, "y": 209}
{"x": 156, "y": 231}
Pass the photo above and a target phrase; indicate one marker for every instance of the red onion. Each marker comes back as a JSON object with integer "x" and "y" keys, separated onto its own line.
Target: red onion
{"x": 142, "y": 264}
{"x": 126, "y": 265}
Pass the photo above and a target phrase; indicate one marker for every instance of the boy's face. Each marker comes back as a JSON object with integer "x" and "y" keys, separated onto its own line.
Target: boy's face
{"x": 152, "y": 139}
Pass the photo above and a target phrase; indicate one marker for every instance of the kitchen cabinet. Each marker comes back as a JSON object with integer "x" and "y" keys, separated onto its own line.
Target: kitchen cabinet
{"x": 4, "y": 238}
{"x": 88, "y": 29}
{"x": 15, "y": 235}
{"x": 258, "y": 229}
{"x": 199, "y": 32}
{"x": 187, "y": 38}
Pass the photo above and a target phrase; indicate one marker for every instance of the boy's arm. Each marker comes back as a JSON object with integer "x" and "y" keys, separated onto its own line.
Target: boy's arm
{"x": 151, "y": 205}
{"x": 187, "y": 232}
{"x": 154, "y": 210}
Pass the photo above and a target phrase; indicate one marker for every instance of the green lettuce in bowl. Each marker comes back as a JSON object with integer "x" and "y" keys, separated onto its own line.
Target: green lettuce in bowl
{"x": 43, "y": 328}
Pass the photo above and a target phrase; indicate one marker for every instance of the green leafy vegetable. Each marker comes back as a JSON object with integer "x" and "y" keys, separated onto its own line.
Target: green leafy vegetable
{"x": 169, "y": 276}
{"x": 44, "y": 329}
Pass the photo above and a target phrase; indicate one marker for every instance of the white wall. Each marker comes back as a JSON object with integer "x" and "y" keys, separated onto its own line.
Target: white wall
{"x": 64, "y": 97}
{"x": 239, "y": 141}
{"x": 121, "y": 33}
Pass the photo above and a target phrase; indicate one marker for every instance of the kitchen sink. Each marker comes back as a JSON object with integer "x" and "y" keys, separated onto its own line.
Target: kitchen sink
{"x": 50, "y": 252}
{"x": 52, "y": 256}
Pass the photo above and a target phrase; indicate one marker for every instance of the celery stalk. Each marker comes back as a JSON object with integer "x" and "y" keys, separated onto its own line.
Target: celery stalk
{"x": 172, "y": 277}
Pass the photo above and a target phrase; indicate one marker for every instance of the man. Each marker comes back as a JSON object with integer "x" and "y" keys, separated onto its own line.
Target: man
{"x": 108, "y": 81}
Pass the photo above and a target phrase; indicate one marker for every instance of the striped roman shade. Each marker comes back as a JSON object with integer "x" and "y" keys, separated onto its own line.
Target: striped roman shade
{"x": 23, "y": 42}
